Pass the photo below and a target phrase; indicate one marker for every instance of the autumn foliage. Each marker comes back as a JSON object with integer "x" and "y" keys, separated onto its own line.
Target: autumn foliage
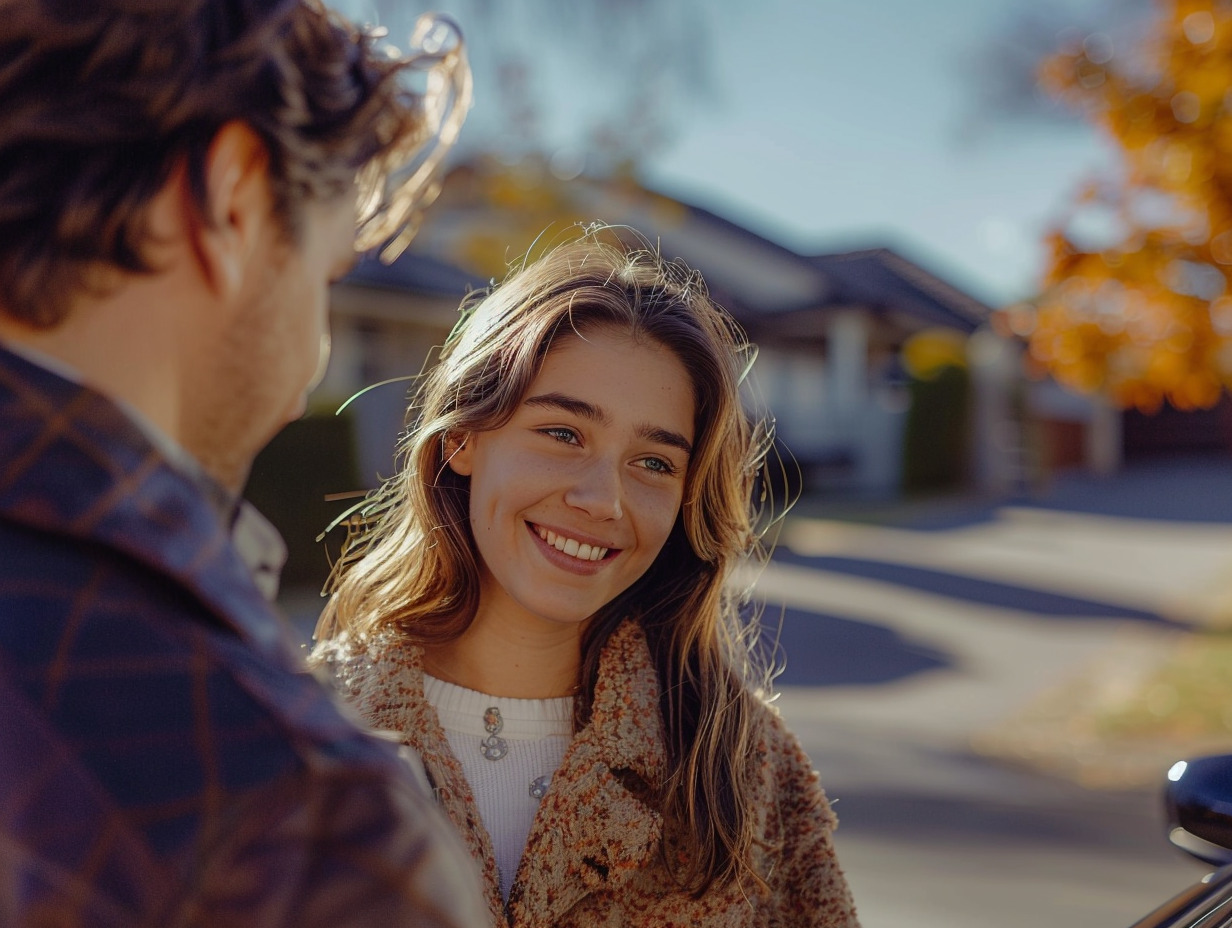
{"x": 1137, "y": 296}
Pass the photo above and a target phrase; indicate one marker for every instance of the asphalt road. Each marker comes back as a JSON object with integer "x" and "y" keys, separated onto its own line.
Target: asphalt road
{"x": 934, "y": 836}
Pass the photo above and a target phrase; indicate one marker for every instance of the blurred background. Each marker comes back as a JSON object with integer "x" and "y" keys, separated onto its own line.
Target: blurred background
{"x": 984, "y": 247}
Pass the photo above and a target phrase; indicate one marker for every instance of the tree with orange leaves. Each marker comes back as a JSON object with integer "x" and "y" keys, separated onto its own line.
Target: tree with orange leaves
{"x": 1144, "y": 314}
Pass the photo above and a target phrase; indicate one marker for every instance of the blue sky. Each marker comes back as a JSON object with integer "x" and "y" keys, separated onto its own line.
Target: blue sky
{"x": 830, "y": 125}
{"x": 867, "y": 145}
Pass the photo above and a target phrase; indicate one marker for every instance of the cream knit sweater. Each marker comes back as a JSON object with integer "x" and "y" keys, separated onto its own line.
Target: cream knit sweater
{"x": 536, "y": 731}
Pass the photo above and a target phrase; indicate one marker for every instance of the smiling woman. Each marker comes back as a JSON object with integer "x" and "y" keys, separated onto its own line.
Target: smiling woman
{"x": 539, "y": 604}
{"x": 583, "y": 465}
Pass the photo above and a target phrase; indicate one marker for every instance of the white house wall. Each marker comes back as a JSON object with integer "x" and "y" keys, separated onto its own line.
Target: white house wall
{"x": 826, "y": 409}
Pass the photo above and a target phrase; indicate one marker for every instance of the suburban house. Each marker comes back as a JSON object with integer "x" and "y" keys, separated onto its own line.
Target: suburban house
{"x": 829, "y": 327}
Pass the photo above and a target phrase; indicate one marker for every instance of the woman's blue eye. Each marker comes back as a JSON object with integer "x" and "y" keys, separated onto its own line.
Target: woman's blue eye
{"x": 566, "y": 435}
{"x": 660, "y": 466}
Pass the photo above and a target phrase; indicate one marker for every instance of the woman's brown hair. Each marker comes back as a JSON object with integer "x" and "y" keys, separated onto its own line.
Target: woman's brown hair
{"x": 412, "y": 567}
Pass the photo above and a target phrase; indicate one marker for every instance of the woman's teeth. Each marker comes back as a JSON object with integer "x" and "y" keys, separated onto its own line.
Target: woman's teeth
{"x": 571, "y": 547}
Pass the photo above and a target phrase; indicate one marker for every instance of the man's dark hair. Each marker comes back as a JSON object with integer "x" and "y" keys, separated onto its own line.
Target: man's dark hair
{"x": 101, "y": 100}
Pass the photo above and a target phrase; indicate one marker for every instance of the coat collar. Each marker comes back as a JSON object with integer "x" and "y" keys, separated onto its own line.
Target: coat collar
{"x": 74, "y": 464}
{"x": 599, "y": 823}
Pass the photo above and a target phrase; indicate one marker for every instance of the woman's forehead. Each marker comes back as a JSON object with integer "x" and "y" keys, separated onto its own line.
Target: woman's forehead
{"x": 615, "y": 372}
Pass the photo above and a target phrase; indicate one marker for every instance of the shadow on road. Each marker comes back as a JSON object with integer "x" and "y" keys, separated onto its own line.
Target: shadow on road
{"x": 842, "y": 652}
{"x": 970, "y": 589}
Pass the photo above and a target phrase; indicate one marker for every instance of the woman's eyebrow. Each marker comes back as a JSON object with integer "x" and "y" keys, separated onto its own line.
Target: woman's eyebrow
{"x": 569, "y": 404}
{"x": 580, "y": 407}
{"x": 665, "y": 437}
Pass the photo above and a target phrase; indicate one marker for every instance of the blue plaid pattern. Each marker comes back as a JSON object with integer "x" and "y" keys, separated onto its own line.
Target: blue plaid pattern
{"x": 164, "y": 757}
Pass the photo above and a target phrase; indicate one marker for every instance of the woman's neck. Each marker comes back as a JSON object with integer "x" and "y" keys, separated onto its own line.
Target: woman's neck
{"x": 501, "y": 659}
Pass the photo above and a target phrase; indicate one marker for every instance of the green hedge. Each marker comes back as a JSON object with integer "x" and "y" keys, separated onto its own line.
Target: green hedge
{"x": 307, "y": 460}
{"x": 936, "y": 437}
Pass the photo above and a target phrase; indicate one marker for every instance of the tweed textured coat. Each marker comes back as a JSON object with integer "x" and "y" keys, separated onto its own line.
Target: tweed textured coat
{"x": 165, "y": 759}
{"x": 593, "y": 857}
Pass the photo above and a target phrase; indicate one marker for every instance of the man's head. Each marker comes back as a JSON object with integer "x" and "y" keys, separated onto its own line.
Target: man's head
{"x": 213, "y": 145}
{"x": 103, "y": 101}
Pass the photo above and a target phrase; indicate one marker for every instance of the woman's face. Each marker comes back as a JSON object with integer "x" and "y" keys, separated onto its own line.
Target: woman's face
{"x": 573, "y": 498}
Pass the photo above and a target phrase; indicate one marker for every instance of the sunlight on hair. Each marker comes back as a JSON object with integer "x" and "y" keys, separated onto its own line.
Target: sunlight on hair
{"x": 397, "y": 187}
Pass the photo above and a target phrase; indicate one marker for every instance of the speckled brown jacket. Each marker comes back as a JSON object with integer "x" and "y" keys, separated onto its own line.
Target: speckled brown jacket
{"x": 593, "y": 856}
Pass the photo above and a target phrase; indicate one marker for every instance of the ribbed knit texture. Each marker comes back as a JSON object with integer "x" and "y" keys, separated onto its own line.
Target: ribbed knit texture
{"x": 537, "y": 731}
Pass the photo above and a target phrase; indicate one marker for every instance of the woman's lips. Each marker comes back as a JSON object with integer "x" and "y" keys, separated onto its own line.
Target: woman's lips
{"x": 586, "y": 554}
{"x": 582, "y": 550}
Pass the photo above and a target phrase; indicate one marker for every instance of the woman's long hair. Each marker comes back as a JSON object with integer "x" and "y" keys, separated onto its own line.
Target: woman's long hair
{"x": 412, "y": 567}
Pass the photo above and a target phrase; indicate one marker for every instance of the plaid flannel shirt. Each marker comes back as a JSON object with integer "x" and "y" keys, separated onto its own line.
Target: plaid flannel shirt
{"x": 164, "y": 758}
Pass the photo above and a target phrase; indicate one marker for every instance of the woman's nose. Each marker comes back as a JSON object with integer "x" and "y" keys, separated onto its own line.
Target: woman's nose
{"x": 597, "y": 490}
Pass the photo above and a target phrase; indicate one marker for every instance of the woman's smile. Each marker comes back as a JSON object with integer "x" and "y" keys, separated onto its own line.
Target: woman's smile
{"x": 569, "y": 554}
{"x": 567, "y": 542}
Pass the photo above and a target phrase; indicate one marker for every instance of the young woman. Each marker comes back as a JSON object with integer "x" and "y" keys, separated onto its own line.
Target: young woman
{"x": 541, "y": 604}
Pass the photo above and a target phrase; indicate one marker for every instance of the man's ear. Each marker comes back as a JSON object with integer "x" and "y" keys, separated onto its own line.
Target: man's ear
{"x": 238, "y": 208}
{"x": 458, "y": 453}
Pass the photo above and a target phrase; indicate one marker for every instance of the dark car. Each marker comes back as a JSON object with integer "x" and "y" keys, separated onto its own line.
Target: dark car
{"x": 1199, "y": 801}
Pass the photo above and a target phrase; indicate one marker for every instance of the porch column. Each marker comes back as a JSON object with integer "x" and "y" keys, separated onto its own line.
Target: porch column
{"x": 847, "y": 358}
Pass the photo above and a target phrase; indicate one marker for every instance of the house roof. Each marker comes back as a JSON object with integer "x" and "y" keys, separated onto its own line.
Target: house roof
{"x": 415, "y": 272}
{"x": 749, "y": 274}
{"x": 755, "y": 278}
{"x": 886, "y": 281}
